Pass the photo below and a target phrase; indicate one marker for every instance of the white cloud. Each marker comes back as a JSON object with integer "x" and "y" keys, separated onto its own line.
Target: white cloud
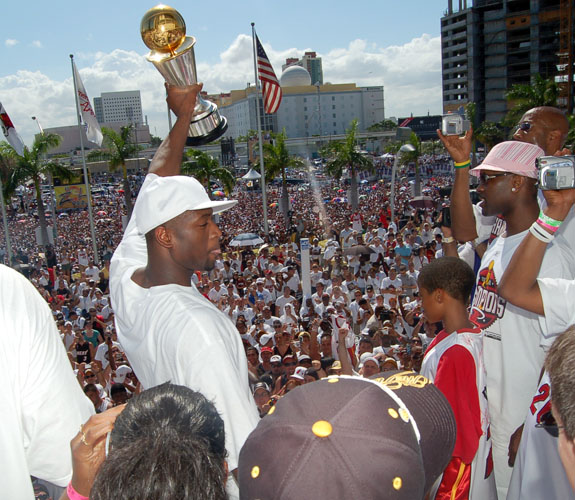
{"x": 410, "y": 73}
{"x": 37, "y": 44}
{"x": 10, "y": 42}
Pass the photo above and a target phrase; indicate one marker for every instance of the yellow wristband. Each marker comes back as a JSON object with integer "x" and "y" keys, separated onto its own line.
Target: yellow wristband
{"x": 462, "y": 164}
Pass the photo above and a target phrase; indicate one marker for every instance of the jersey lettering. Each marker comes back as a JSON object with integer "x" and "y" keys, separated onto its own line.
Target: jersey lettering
{"x": 487, "y": 305}
{"x": 497, "y": 229}
{"x": 543, "y": 396}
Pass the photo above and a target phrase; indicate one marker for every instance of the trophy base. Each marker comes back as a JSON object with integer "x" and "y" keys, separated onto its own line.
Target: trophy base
{"x": 214, "y": 134}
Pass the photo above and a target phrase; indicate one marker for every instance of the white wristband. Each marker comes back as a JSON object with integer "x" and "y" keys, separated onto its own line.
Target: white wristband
{"x": 540, "y": 233}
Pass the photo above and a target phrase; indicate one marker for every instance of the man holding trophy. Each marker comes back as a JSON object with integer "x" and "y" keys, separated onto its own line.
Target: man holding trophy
{"x": 169, "y": 331}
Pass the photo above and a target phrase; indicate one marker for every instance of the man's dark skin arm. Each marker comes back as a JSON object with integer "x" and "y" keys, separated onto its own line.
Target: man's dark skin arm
{"x": 519, "y": 282}
{"x": 168, "y": 158}
{"x": 462, "y": 218}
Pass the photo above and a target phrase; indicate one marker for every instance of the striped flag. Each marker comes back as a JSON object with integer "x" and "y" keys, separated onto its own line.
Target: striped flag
{"x": 10, "y": 132}
{"x": 93, "y": 131}
{"x": 271, "y": 90}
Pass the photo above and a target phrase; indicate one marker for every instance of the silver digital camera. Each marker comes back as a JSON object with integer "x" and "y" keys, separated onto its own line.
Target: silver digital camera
{"x": 556, "y": 172}
{"x": 454, "y": 124}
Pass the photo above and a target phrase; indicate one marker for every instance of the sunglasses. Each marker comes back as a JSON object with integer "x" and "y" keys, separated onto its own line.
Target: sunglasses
{"x": 485, "y": 178}
{"x": 290, "y": 364}
{"x": 525, "y": 126}
{"x": 549, "y": 423}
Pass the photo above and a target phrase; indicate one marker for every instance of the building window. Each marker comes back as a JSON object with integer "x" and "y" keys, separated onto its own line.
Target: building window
{"x": 333, "y": 98}
{"x": 333, "y": 116}
{"x": 333, "y": 106}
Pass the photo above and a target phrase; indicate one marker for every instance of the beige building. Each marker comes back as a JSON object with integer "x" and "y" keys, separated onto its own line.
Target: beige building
{"x": 306, "y": 110}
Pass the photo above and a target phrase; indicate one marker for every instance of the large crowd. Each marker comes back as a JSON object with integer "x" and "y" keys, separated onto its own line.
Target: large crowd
{"x": 381, "y": 295}
{"x": 250, "y": 284}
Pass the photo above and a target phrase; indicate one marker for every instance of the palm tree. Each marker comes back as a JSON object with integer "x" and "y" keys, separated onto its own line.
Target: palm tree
{"x": 120, "y": 147}
{"x": 31, "y": 166}
{"x": 382, "y": 126}
{"x": 392, "y": 147}
{"x": 430, "y": 147}
{"x": 540, "y": 92}
{"x": 471, "y": 115}
{"x": 413, "y": 157}
{"x": 490, "y": 134}
{"x": 344, "y": 155}
{"x": 276, "y": 160}
{"x": 205, "y": 168}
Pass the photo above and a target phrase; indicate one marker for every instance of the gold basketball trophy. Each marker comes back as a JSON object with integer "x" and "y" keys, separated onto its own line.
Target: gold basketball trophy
{"x": 172, "y": 53}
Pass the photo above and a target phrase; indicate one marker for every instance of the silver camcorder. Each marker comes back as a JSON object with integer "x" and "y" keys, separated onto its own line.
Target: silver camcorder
{"x": 556, "y": 172}
{"x": 454, "y": 124}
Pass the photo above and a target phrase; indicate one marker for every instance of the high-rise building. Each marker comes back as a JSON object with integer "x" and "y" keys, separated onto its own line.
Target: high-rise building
{"x": 490, "y": 45}
{"x": 115, "y": 107}
{"x": 311, "y": 63}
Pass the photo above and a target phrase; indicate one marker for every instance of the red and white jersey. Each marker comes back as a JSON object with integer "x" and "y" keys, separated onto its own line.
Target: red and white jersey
{"x": 357, "y": 222}
{"x": 454, "y": 363}
{"x": 538, "y": 472}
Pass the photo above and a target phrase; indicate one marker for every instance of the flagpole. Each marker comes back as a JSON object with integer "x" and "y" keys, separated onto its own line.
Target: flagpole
{"x": 84, "y": 169}
{"x": 169, "y": 114}
{"x": 51, "y": 180}
{"x": 261, "y": 145}
{"x": 5, "y": 221}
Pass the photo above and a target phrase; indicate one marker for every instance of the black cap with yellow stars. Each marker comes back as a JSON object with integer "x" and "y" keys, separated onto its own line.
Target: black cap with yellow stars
{"x": 342, "y": 438}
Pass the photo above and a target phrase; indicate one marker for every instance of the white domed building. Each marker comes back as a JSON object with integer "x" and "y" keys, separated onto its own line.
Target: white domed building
{"x": 295, "y": 76}
{"x": 306, "y": 110}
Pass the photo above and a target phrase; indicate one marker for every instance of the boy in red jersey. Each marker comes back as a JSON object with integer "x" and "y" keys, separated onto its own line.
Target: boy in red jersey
{"x": 454, "y": 363}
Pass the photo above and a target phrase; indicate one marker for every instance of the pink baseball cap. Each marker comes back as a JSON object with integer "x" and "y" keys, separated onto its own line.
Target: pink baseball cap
{"x": 512, "y": 156}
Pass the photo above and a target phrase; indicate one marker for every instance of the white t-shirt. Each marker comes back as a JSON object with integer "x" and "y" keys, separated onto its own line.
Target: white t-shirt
{"x": 92, "y": 273}
{"x": 557, "y": 296}
{"x": 513, "y": 343}
{"x": 538, "y": 472}
{"x": 43, "y": 404}
{"x": 281, "y": 302}
{"x": 102, "y": 351}
{"x": 387, "y": 283}
{"x": 173, "y": 333}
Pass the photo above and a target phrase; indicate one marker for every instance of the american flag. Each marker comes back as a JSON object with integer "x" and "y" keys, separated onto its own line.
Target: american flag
{"x": 271, "y": 90}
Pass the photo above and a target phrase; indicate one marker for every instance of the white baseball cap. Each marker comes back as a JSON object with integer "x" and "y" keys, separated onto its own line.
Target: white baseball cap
{"x": 299, "y": 373}
{"x": 164, "y": 198}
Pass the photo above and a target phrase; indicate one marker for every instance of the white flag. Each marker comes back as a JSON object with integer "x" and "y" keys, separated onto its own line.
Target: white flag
{"x": 10, "y": 132}
{"x": 93, "y": 132}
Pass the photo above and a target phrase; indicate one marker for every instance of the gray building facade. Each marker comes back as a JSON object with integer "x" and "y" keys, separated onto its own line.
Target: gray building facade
{"x": 490, "y": 45}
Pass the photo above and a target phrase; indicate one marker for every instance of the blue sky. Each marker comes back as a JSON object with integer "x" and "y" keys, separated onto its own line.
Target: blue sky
{"x": 395, "y": 44}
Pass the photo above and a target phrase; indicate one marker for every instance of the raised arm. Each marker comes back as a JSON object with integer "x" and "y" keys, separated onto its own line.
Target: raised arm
{"x": 168, "y": 158}
{"x": 462, "y": 218}
{"x": 519, "y": 283}
{"x": 346, "y": 367}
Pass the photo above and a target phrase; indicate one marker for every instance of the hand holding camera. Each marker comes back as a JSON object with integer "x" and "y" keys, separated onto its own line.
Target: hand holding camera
{"x": 556, "y": 172}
